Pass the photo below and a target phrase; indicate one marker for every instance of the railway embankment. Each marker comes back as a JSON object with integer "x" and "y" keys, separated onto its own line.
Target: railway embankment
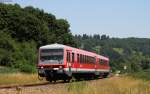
{"x": 112, "y": 85}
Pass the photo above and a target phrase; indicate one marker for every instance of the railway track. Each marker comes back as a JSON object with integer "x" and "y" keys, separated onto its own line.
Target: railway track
{"x": 23, "y": 85}
{"x": 44, "y": 83}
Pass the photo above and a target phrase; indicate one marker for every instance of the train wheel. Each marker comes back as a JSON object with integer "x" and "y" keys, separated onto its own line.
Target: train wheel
{"x": 105, "y": 75}
{"x": 78, "y": 79}
{"x": 66, "y": 80}
{"x": 48, "y": 79}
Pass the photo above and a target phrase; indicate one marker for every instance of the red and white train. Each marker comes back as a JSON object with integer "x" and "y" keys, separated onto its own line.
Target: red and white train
{"x": 61, "y": 62}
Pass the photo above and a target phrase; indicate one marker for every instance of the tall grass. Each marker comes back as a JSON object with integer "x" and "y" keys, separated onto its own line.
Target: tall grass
{"x": 145, "y": 75}
{"x": 18, "y": 78}
{"x": 7, "y": 70}
{"x": 116, "y": 85}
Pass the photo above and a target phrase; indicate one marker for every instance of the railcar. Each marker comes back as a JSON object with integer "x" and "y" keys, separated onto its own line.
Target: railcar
{"x": 61, "y": 62}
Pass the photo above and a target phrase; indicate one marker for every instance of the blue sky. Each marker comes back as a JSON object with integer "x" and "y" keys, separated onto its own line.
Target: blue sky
{"x": 116, "y": 18}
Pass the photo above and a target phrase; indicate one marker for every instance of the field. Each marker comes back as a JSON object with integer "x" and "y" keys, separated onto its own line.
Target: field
{"x": 113, "y": 85}
{"x": 18, "y": 78}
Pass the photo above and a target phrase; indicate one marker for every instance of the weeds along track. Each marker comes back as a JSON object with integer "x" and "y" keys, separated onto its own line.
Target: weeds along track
{"x": 30, "y": 85}
{"x": 23, "y": 85}
{"x": 43, "y": 84}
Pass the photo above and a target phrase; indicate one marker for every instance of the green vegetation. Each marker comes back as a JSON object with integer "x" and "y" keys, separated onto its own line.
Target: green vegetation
{"x": 24, "y": 30}
{"x": 131, "y": 52}
{"x": 6, "y": 70}
{"x": 142, "y": 75}
{"x": 77, "y": 87}
{"x": 19, "y": 78}
{"x": 114, "y": 85}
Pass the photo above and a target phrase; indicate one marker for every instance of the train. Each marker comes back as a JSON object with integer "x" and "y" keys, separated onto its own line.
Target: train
{"x": 62, "y": 62}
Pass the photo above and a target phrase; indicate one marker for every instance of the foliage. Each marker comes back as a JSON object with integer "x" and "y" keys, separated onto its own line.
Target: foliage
{"x": 5, "y": 70}
{"x": 142, "y": 75}
{"x": 24, "y": 30}
{"x": 131, "y": 52}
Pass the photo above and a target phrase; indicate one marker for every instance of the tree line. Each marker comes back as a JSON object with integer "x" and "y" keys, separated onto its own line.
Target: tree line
{"x": 24, "y": 30}
{"x": 133, "y": 53}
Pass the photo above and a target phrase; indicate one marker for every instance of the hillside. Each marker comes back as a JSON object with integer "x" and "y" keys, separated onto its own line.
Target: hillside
{"x": 131, "y": 52}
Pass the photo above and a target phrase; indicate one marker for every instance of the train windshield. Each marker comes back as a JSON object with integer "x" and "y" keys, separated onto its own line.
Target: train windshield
{"x": 51, "y": 56}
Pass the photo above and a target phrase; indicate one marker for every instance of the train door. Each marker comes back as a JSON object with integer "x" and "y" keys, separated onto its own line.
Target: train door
{"x": 69, "y": 62}
{"x": 97, "y": 66}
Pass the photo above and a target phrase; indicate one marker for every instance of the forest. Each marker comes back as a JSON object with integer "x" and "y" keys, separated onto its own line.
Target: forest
{"x": 24, "y": 30}
{"x": 132, "y": 52}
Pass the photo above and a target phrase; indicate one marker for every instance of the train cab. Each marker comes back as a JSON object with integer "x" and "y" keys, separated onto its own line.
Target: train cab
{"x": 51, "y": 62}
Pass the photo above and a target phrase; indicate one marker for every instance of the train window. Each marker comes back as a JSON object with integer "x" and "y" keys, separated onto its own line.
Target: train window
{"x": 78, "y": 58}
{"x": 72, "y": 57}
{"x": 106, "y": 63}
{"x": 99, "y": 61}
{"x": 103, "y": 62}
{"x": 94, "y": 60}
{"x": 83, "y": 58}
{"x": 88, "y": 60}
{"x": 68, "y": 56}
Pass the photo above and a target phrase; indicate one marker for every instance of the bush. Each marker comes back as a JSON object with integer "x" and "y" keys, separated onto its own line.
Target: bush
{"x": 7, "y": 70}
{"x": 142, "y": 75}
{"x": 28, "y": 68}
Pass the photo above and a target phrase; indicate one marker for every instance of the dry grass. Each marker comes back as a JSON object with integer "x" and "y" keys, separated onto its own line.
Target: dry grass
{"x": 18, "y": 78}
{"x": 115, "y": 85}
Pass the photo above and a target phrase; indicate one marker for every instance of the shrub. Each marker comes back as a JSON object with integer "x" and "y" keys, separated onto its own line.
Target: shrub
{"x": 27, "y": 68}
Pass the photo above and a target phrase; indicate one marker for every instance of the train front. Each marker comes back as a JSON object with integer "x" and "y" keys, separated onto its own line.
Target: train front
{"x": 51, "y": 62}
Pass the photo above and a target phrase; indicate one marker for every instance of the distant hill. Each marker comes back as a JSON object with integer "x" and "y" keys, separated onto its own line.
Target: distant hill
{"x": 131, "y": 52}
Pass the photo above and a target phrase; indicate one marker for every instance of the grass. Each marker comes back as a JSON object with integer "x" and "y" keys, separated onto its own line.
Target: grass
{"x": 125, "y": 85}
{"x": 11, "y": 76}
{"x": 7, "y": 70}
{"x": 144, "y": 75}
{"x": 18, "y": 78}
{"x": 114, "y": 85}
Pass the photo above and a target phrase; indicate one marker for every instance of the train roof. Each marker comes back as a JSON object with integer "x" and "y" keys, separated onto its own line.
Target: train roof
{"x": 52, "y": 46}
{"x": 61, "y": 46}
{"x": 103, "y": 57}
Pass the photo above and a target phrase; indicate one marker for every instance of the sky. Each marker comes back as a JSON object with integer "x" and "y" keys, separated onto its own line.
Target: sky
{"x": 116, "y": 18}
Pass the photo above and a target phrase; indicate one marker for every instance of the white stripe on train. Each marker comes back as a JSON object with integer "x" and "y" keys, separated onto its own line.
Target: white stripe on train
{"x": 86, "y": 70}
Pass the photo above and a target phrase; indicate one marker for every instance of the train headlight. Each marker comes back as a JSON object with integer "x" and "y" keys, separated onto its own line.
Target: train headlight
{"x": 60, "y": 67}
{"x": 42, "y": 67}
{"x": 41, "y": 71}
